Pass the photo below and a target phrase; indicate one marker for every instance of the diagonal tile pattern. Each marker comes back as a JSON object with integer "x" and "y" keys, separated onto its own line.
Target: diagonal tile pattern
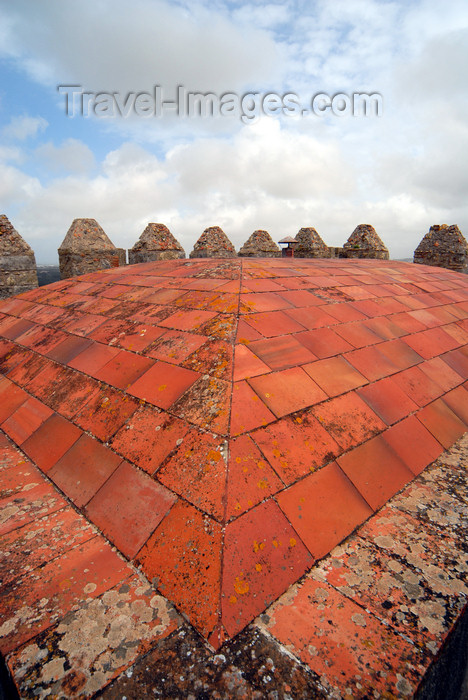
{"x": 226, "y": 423}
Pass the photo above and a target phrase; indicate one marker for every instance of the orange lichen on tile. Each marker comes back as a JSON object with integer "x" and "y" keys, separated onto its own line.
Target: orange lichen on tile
{"x": 163, "y": 384}
{"x": 296, "y": 445}
{"x": 247, "y": 409}
{"x": 149, "y": 437}
{"x": 197, "y": 472}
{"x": 263, "y": 555}
{"x": 174, "y": 346}
{"x": 250, "y": 478}
{"x": 183, "y": 560}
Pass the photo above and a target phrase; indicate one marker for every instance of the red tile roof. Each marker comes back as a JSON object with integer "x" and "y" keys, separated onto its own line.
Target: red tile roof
{"x": 207, "y": 433}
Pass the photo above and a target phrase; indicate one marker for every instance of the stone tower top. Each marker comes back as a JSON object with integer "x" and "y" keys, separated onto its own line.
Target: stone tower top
{"x": 87, "y": 248}
{"x": 155, "y": 243}
{"x": 310, "y": 244}
{"x": 17, "y": 261}
{"x": 260, "y": 245}
{"x": 213, "y": 243}
{"x": 364, "y": 242}
{"x": 444, "y": 246}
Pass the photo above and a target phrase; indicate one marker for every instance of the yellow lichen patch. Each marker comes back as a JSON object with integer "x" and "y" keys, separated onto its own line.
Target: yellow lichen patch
{"x": 262, "y": 484}
{"x": 241, "y": 586}
{"x": 232, "y": 599}
{"x": 292, "y": 542}
{"x": 257, "y": 546}
{"x": 298, "y": 419}
{"x": 258, "y": 567}
{"x": 276, "y": 543}
{"x": 214, "y": 456}
{"x": 238, "y": 460}
{"x": 162, "y": 387}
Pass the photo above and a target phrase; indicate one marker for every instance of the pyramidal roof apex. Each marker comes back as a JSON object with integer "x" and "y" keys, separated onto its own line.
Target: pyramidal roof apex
{"x": 11, "y": 243}
{"x": 365, "y": 236}
{"x": 443, "y": 234}
{"x": 157, "y": 237}
{"x": 309, "y": 244}
{"x": 86, "y": 235}
{"x": 260, "y": 244}
{"x": 213, "y": 243}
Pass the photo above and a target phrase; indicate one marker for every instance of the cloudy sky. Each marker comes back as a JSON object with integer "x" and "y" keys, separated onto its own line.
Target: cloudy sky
{"x": 402, "y": 171}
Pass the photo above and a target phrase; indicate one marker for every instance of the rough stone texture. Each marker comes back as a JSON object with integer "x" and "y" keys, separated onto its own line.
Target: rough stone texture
{"x": 310, "y": 245}
{"x": 213, "y": 243}
{"x": 364, "y": 242}
{"x": 87, "y": 248}
{"x": 443, "y": 246}
{"x": 260, "y": 245}
{"x": 155, "y": 243}
{"x": 17, "y": 262}
{"x": 183, "y": 666}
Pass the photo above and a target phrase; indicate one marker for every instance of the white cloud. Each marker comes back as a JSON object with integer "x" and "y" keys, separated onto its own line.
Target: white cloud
{"x": 115, "y": 45}
{"x": 71, "y": 156}
{"x": 24, "y": 127}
